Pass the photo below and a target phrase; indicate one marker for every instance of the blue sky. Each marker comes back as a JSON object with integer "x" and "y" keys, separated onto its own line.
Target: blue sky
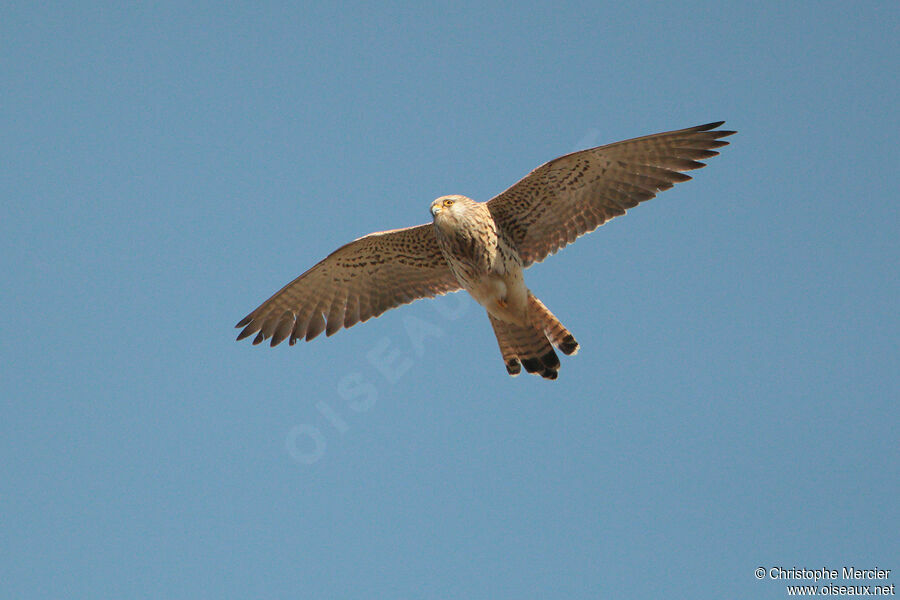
{"x": 167, "y": 166}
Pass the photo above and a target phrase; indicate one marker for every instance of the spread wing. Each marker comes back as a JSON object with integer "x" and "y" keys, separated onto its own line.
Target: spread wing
{"x": 576, "y": 193}
{"x": 354, "y": 283}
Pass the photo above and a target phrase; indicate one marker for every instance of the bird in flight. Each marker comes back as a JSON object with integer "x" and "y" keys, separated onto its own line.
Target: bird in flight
{"x": 484, "y": 247}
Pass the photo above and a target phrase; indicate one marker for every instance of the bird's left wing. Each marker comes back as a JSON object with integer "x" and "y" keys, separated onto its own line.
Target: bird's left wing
{"x": 576, "y": 193}
{"x": 356, "y": 282}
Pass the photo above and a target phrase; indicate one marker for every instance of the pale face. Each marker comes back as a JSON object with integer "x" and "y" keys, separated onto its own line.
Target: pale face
{"x": 449, "y": 207}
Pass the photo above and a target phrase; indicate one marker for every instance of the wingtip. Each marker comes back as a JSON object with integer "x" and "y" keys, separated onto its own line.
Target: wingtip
{"x": 247, "y": 332}
{"x": 714, "y": 125}
{"x": 723, "y": 132}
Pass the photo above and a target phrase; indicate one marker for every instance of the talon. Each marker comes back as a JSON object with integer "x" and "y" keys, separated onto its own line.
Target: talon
{"x": 501, "y": 302}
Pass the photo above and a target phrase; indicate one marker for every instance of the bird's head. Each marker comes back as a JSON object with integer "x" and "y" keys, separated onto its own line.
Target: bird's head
{"x": 449, "y": 209}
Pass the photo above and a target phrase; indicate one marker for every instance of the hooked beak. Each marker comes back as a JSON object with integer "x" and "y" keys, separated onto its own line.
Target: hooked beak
{"x": 435, "y": 209}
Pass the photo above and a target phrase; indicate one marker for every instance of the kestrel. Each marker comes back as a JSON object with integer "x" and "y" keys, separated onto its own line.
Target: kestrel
{"x": 483, "y": 248}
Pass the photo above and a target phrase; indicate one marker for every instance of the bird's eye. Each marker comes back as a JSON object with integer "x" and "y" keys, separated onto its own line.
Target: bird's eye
{"x": 448, "y": 202}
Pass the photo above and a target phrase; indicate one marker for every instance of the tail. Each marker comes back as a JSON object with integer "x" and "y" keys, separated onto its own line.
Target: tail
{"x": 530, "y": 345}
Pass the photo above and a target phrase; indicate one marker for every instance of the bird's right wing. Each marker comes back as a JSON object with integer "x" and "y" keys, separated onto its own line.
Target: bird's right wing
{"x": 356, "y": 282}
{"x": 576, "y": 193}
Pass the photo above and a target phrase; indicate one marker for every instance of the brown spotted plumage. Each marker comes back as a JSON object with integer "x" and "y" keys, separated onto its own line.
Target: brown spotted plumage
{"x": 358, "y": 281}
{"x": 484, "y": 247}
